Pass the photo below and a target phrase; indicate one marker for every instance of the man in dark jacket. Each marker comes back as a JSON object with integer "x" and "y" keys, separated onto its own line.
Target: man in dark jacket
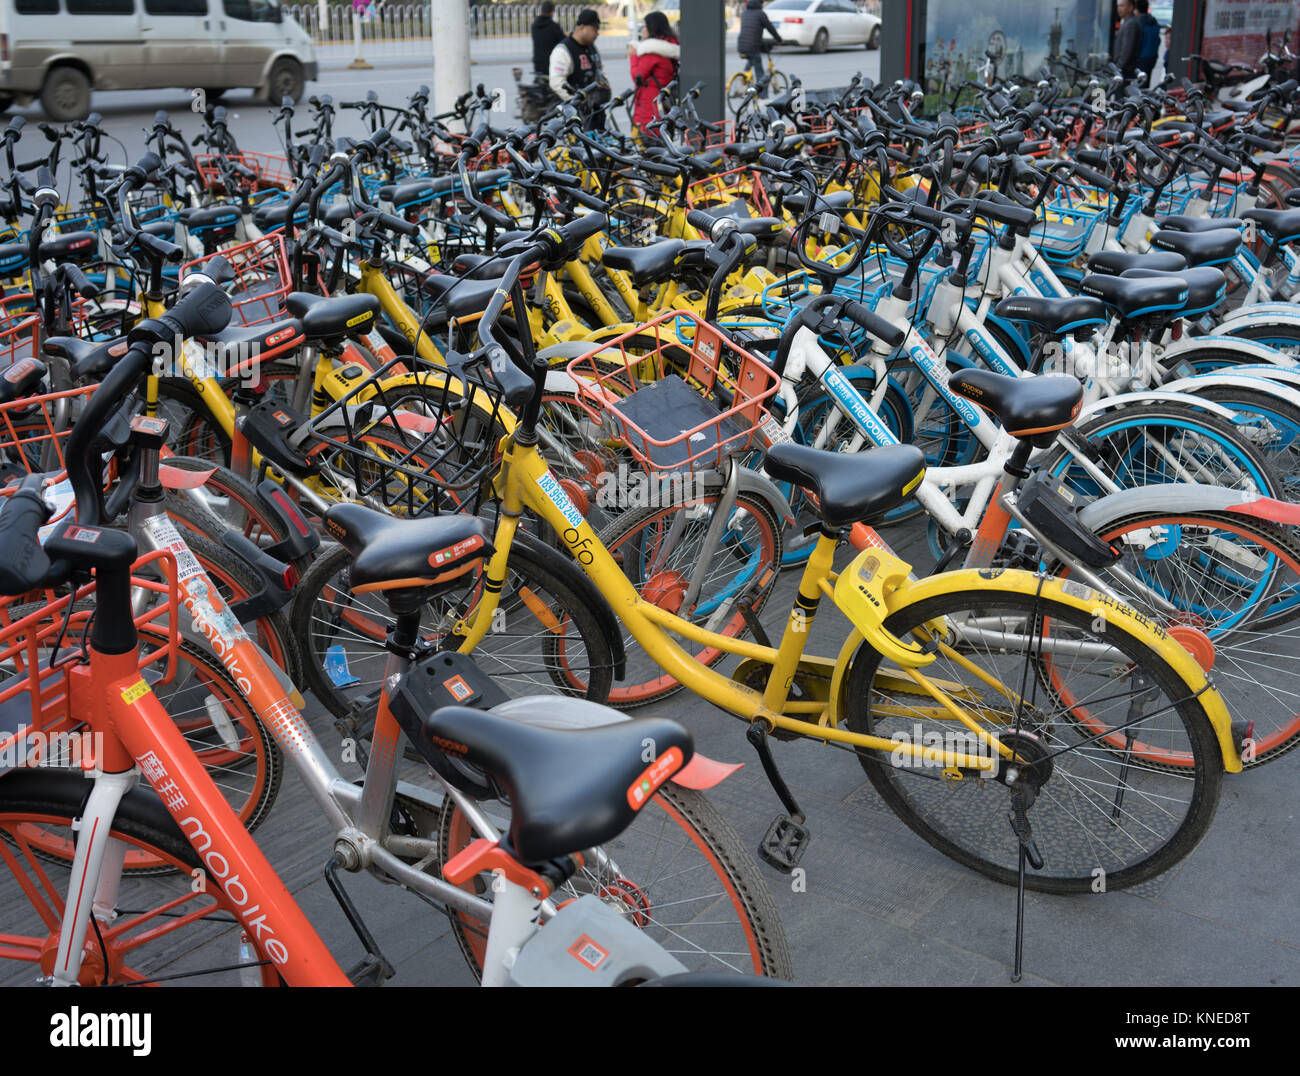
{"x": 546, "y": 35}
{"x": 1150, "y": 45}
{"x": 1128, "y": 40}
{"x": 753, "y": 23}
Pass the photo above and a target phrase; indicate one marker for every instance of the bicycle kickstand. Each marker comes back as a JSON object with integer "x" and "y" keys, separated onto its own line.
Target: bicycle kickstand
{"x": 1022, "y": 796}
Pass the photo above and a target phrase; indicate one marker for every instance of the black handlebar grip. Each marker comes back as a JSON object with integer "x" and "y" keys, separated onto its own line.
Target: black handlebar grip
{"x": 78, "y": 280}
{"x": 701, "y": 220}
{"x": 516, "y": 385}
{"x": 24, "y": 565}
{"x": 216, "y": 269}
{"x": 159, "y": 248}
{"x": 397, "y": 224}
{"x": 559, "y": 179}
{"x": 581, "y": 229}
{"x": 874, "y": 324}
{"x": 656, "y": 169}
{"x": 588, "y": 200}
{"x": 1287, "y": 88}
{"x": 203, "y": 311}
{"x": 1094, "y": 177}
{"x": 1221, "y": 159}
{"x": 16, "y": 124}
{"x": 1094, "y": 158}
{"x": 772, "y": 161}
{"x": 1017, "y": 216}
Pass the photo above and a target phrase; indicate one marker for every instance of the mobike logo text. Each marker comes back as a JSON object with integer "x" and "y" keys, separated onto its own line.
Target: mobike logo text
{"x": 205, "y": 607}
{"x": 219, "y": 869}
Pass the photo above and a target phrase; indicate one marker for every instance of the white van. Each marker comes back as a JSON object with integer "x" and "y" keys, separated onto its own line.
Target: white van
{"x": 59, "y": 50}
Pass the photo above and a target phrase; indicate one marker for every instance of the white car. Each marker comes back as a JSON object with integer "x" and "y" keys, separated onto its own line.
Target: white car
{"x": 820, "y": 24}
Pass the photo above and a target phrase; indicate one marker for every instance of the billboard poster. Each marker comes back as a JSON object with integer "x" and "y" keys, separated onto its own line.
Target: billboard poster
{"x": 1012, "y": 38}
{"x": 1238, "y": 31}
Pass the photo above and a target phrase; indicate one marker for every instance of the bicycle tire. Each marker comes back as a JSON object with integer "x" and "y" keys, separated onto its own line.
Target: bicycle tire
{"x": 756, "y": 942}
{"x": 752, "y": 541}
{"x": 1180, "y": 446}
{"x": 35, "y": 798}
{"x": 737, "y": 86}
{"x": 248, "y": 773}
{"x": 977, "y": 833}
{"x": 1237, "y": 580}
{"x": 326, "y": 615}
{"x": 1279, "y": 429}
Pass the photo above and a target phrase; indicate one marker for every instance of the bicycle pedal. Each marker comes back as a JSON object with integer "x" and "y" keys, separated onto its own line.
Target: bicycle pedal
{"x": 784, "y": 843}
{"x": 371, "y": 970}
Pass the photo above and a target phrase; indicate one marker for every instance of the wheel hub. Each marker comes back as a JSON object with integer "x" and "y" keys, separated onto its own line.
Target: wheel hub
{"x": 1031, "y": 763}
{"x": 665, "y": 589}
{"x": 628, "y": 899}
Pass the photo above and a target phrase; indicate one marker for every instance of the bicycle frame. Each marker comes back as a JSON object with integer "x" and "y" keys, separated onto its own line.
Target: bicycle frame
{"x": 525, "y": 481}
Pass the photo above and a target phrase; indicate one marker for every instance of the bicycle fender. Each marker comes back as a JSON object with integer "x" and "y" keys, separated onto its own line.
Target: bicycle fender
{"x": 582, "y": 585}
{"x": 177, "y": 478}
{"x": 1188, "y": 346}
{"x": 1197, "y": 403}
{"x": 1276, "y": 309}
{"x": 1084, "y": 598}
{"x": 1233, "y": 379}
{"x": 542, "y": 711}
{"x": 765, "y": 489}
{"x": 1179, "y": 497}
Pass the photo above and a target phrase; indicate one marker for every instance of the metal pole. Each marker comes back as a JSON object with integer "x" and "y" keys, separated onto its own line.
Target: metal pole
{"x": 323, "y": 15}
{"x": 450, "y": 25}
{"x": 357, "y": 64}
{"x": 704, "y": 55}
{"x": 1186, "y": 30}
{"x": 902, "y": 40}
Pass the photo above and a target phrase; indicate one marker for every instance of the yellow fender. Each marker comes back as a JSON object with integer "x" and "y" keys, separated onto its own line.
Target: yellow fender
{"x": 1080, "y": 597}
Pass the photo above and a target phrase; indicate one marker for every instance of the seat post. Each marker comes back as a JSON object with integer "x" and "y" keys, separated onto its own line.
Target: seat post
{"x": 799, "y": 624}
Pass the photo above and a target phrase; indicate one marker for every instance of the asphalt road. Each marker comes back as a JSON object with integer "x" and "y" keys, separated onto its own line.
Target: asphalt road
{"x": 127, "y": 114}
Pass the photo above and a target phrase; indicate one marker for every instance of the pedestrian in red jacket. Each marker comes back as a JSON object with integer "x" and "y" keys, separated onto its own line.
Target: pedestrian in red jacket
{"x": 654, "y": 64}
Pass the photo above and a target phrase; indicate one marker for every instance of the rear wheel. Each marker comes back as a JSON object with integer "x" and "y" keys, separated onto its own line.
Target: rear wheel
{"x": 820, "y": 41}
{"x": 679, "y": 873}
{"x": 873, "y": 42}
{"x": 544, "y": 639}
{"x": 1056, "y": 682}
{"x": 66, "y": 94}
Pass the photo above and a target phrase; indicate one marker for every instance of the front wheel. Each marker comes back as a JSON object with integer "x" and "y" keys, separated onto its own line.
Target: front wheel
{"x": 679, "y": 873}
{"x": 777, "y": 84}
{"x": 1057, "y": 682}
{"x": 174, "y": 931}
{"x": 1228, "y": 587}
{"x": 737, "y": 87}
{"x": 873, "y": 42}
{"x": 820, "y": 41}
{"x": 286, "y": 80}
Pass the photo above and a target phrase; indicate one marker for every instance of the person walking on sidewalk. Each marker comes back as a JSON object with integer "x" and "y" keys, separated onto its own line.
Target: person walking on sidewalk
{"x": 653, "y": 61}
{"x": 1128, "y": 40}
{"x": 1149, "y": 51}
{"x": 753, "y": 24}
{"x": 546, "y": 35}
{"x": 575, "y": 65}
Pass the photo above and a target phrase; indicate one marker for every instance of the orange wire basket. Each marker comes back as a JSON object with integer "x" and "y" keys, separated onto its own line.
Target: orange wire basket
{"x": 700, "y": 140}
{"x": 269, "y": 170}
{"x": 19, "y": 333}
{"x": 263, "y": 278}
{"x": 738, "y": 193}
{"x": 677, "y": 392}
{"x": 40, "y": 637}
{"x": 33, "y": 430}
